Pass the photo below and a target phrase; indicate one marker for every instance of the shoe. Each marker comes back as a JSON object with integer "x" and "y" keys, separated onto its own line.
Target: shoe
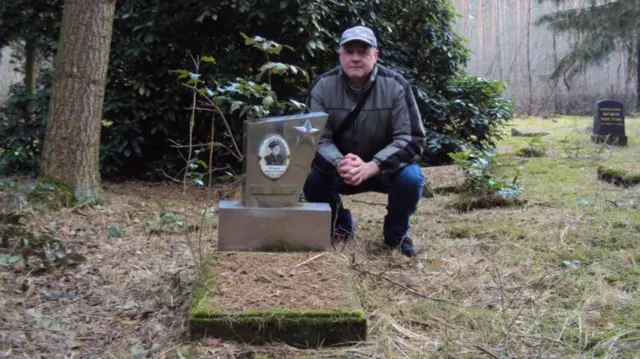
{"x": 405, "y": 246}
{"x": 345, "y": 226}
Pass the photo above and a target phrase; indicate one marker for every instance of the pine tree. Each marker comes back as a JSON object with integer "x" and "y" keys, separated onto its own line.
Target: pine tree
{"x": 606, "y": 26}
{"x": 72, "y": 138}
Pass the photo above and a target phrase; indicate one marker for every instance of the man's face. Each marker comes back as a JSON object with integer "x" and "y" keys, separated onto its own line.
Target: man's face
{"x": 357, "y": 59}
{"x": 275, "y": 150}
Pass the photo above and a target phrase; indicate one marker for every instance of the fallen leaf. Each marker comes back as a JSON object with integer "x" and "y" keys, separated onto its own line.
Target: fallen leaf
{"x": 130, "y": 304}
{"x": 8, "y": 259}
{"x": 212, "y": 342}
{"x": 435, "y": 263}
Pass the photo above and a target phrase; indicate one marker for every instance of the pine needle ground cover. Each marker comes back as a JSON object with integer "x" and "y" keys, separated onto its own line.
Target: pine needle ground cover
{"x": 558, "y": 277}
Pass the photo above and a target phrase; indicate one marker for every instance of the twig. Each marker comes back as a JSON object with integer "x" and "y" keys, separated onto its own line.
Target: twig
{"x": 612, "y": 202}
{"x": 169, "y": 177}
{"x": 614, "y": 342}
{"x": 207, "y": 144}
{"x": 486, "y": 351}
{"x": 224, "y": 119}
{"x": 437, "y": 320}
{"x": 364, "y": 271}
{"x": 309, "y": 260}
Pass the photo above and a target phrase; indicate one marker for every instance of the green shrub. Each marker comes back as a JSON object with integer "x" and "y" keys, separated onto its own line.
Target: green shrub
{"x": 146, "y": 106}
{"x": 535, "y": 148}
{"x": 21, "y": 135}
{"x": 484, "y": 188}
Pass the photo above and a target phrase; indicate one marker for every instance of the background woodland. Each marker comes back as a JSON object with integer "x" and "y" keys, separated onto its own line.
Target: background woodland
{"x": 506, "y": 44}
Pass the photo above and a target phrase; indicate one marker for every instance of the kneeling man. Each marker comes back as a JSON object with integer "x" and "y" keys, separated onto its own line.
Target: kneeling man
{"x": 372, "y": 141}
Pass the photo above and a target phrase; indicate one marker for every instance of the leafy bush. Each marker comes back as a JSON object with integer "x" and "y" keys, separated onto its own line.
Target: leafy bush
{"x": 484, "y": 188}
{"x": 147, "y": 108}
{"x": 21, "y": 135}
{"x": 252, "y": 97}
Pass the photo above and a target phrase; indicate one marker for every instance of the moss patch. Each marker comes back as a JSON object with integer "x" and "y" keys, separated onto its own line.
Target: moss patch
{"x": 302, "y": 299}
{"x": 530, "y": 152}
{"x": 468, "y": 202}
{"x": 51, "y": 193}
{"x": 618, "y": 177}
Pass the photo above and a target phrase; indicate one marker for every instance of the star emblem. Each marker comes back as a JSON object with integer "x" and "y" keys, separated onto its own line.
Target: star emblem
{"x": 306, "y": 133}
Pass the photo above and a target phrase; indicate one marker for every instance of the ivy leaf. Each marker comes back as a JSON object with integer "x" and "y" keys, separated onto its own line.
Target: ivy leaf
{"x": 181, "y": 73}
{"x": 6, "y": 259}
{"x": 267, "y": 101}
{"x": 208, "y": 59}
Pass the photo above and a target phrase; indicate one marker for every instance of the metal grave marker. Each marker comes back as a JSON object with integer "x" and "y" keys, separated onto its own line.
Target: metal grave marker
{"x": 278, "y": 154}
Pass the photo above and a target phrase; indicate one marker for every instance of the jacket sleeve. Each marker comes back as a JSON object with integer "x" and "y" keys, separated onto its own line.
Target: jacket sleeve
{"x": 328, "y": 155}
{"x": 409, "y": 137}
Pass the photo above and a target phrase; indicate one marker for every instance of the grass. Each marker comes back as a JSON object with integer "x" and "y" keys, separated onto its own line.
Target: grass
{"x": 558, "y": 277}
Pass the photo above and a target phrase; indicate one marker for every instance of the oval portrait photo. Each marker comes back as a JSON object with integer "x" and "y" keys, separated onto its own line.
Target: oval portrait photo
{"x": 274, "y": 156}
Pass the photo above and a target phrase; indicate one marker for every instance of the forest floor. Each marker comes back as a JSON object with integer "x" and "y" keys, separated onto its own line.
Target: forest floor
{"x": 558, "y": 277}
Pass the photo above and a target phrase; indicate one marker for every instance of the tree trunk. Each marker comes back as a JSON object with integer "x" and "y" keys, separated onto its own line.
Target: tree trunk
{"x": 30, "y": 73}
{"x": 638, "y": 71}
{"x": 72, "y": 138}
{"x": 530, "y": 110}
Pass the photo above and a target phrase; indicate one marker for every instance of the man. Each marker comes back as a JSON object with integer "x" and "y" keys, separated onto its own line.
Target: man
{"x": 274, "y": 158}
{"x": 378, "y": 150}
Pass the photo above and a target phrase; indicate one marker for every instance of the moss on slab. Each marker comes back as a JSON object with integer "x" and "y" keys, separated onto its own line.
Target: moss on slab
{"x": 303, "y": 328}
{"x": 618, "y": 177}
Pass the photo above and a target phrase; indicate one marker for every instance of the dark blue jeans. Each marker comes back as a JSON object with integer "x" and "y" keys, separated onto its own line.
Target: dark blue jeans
{"x": 404, "y": 189}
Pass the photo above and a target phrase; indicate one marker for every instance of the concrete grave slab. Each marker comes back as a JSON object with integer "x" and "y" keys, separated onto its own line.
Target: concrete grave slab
{"x": 302, "y": 299}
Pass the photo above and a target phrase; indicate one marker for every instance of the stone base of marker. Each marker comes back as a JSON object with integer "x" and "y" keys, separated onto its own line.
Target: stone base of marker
{"x": 306, "y": 300}
{"x": 306, "y": 227}
{"x": 614, "y": 140}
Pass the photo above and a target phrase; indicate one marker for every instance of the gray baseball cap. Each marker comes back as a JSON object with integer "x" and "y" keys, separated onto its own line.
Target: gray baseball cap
{"x": 359, "y": 33}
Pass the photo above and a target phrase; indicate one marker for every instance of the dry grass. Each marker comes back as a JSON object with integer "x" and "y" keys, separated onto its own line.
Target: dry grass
{"x": 255, "y": 280}
{"x": 558, "y": 278}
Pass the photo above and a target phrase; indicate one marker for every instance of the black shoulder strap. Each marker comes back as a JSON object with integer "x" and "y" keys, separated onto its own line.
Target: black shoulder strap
{"x": 351, "y": 117}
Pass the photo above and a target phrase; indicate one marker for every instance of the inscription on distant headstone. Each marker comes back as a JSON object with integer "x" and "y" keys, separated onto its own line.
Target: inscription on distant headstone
{"x": 608, "y": 123}
{"x": 278, "y": 154}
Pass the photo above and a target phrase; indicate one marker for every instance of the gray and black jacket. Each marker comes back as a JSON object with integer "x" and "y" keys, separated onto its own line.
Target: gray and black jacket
{"x": 388, "y": 130}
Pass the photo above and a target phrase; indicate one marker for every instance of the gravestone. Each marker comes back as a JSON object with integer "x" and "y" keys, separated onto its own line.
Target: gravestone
{"x": 608, "y": 123}
{"x": 270, "y": 216}
{"x": 263, "y": 285}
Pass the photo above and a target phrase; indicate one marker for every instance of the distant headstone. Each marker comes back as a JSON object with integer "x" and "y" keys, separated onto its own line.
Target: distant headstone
{"x": 270, "y": 217}
{"x": 608, "y": 123}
